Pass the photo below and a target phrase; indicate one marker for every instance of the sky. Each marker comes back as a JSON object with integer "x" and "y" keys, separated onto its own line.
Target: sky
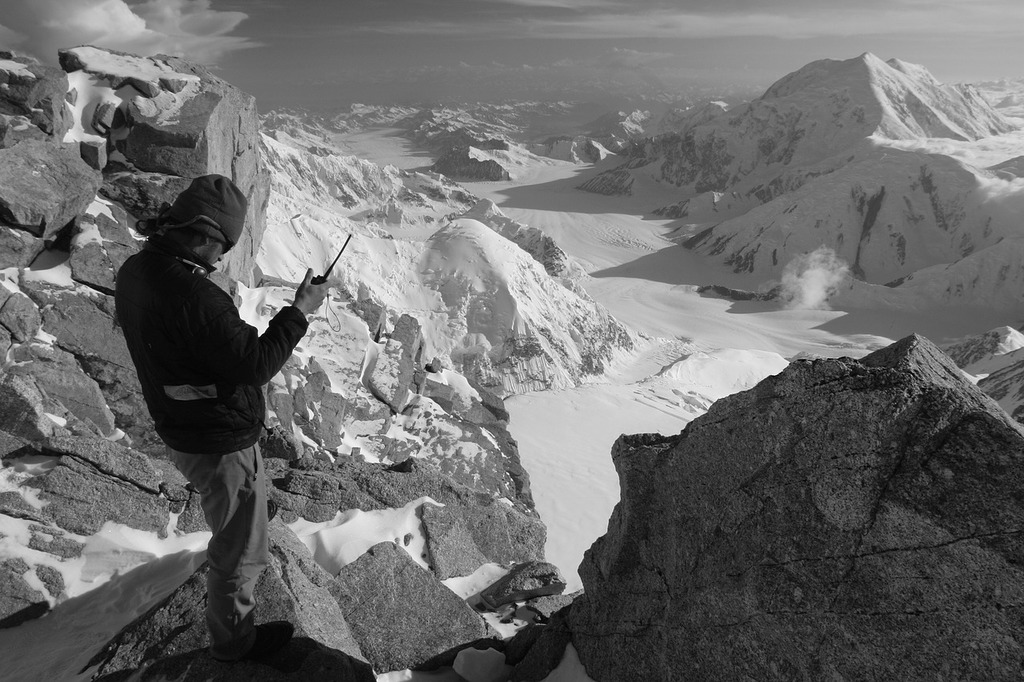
{"x": 327, "y": 55}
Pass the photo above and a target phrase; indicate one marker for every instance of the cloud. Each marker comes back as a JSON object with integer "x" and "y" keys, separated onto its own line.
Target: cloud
{"x": 189, "y": 28}
{"x": 809, "y": 280}
{"x": 587, "y": 19}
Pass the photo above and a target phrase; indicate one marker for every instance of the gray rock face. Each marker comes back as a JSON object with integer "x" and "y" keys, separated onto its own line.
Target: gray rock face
{"x": 44, "y": 186}
{"x": 95, "y": 481}
{"x": 59, "y": 375}
{"x": 18, "y": 601}
{"x": 141, "y": 193}
{"x": 216, "y": 131}
{"x": 402, "y": 615}
{"x": 525, "y": 581}
{"x": 18, "y": 248}
{"x": 99, "y": 247}
{"x": 15, "y": 129}
{"x": 23, "y": 410}
{"x": 471, "y": 524}
{"x": 393, "y": 372}
{"x": 841, "y": 520}
{"x": 458, "y": 163}
{"x": 292, "y": 588}
{"x": 35, "y": 91}
{"x": 19, "y": 316}
{"x": 85, "y": 327}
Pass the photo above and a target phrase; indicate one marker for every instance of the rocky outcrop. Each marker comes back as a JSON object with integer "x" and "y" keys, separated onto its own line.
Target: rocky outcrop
{"x": 173, "y": 633}
{"x": 461, "y": 163}
{"x": 181, "y": 122}
{"x": 400, "y": 614}
{"x": 392, "y": 374}
{"x": 43, "y": 186}
{"x": 94, "y": 481}
{"x": 33, "y": 93}
{"x": 847, "y": 519}
{"x": 470, "y": 529}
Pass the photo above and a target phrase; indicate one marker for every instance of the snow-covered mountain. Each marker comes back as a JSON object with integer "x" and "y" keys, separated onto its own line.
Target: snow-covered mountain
{"x": 491, "y": 294}
{"x": 996, "y": 360}
{"x": 826, "y": 108}
{"x": 862, "y": 157}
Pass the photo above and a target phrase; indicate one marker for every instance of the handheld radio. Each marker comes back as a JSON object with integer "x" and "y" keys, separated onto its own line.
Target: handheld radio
{"x": 320, "y": 279}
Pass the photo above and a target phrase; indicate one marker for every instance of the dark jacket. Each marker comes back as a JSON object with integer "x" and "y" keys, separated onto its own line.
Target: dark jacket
{"x": 201, "y": 366}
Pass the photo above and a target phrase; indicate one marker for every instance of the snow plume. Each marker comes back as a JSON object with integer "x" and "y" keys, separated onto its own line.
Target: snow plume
{"x": 811, "y": 278}
{"x": 179, "y": 27}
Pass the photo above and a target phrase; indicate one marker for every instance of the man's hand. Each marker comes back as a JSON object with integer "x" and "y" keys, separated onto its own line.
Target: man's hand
{"x": 309, "y": 296}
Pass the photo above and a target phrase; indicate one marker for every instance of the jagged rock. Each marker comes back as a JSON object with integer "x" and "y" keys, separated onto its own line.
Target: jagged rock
{"x": 525, "y": 581}
{"x": 537, "y": 649}
{"x": 142, "y": 193}
{"x": 103, "y": 116}
{"x": 94, "y": 153}
{"x": 216, "y": 131}
{"x": 94, "y": 481}
{"x": 843, "y": 519}
{"x": 18, "y": 248}
{"x": 58, "y": 374}
{"x": 23, "y": 409}
{"x": 312, "y": 495}
{"x": 14, "y": 505}
{"x": 18, "y": 601}
{"x": 392, "y": 374}
{"x": 51, "y": 578}
{"x": 15, "y": 129}
{"x": 452, "y": 550}
{"x": 36, "y": 91}
{"x": 400, "y": 614}
{"x": 543, "y": 608}
{"x": 44, "y": 186}
{"x": 303, "y": 659}
{"x": 173, "y": 635}
{"x": 278, "y": 443}
{"x": 99, "y": 247}
{"x": 52, "y": 541}
{"x": 470, "y": 525}
{"x": 85, "y": 327}
{"x": 459, "y": 163}
{"x": 20, "y": 316}
{"x": 12, "y": 446}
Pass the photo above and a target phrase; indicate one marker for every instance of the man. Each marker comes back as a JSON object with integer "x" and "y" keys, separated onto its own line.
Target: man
{"x": 202, "y": 369}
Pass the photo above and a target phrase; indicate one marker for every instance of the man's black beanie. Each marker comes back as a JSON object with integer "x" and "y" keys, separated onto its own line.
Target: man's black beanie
{"x": 214, "y": 197}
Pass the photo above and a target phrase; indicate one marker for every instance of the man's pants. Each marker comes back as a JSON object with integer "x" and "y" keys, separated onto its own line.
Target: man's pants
{"x": 234, "y": 501}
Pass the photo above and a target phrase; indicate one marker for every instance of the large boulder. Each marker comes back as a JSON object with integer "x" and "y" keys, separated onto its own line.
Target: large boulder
{"x": 471, "y": 525}
{"x": 58, "y": 374}
{"x": 391, "y": 377}
{"x": 99, "y": 246}
{"x": 182, "y": 123}
{"x": 44, "y": 186}
{"x": 18, "y": 248}
{"x": 36, "y": 92}
{"x": 94, "y": 481}
{"x": 19, "y": 601}
{"x": 842, "y": 520}
{"x": 86, "y": 327}
{"x": 24, "y": 411}
{"x": 400, "y": 614}
{"x": 173, "y": 636}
